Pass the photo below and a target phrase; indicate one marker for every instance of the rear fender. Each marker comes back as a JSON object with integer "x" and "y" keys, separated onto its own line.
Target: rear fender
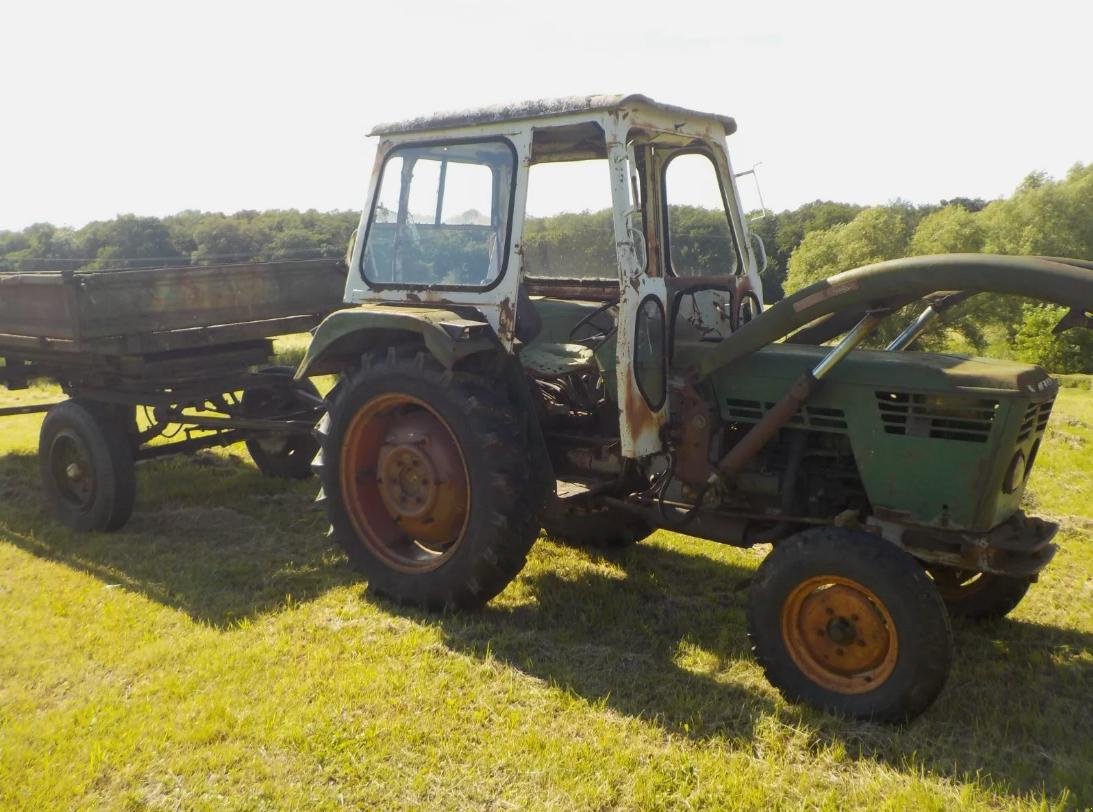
{"x": 346, "y": 334}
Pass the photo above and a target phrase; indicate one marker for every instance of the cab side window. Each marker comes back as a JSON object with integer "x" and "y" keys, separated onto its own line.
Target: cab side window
{"x": 700, "y": 238}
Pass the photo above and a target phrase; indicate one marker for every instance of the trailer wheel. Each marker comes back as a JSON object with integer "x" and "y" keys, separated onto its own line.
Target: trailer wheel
{"x": 85, "y": 459}
{"x": 850, "y": 624}
{"x": 282, "y": 456}
{"x": 603, "y": 528}
{"x": 427, "y": 482}
{"x": 978, "y": 595}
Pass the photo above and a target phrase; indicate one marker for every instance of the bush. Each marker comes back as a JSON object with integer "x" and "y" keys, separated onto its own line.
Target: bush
{"x": 1035, "y": 343}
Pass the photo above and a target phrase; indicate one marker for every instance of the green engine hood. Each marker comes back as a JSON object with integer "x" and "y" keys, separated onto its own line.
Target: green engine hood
{"x": 923, "y": 371}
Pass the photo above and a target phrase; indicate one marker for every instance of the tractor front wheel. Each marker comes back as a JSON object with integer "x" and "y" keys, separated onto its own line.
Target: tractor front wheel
{"x": 427, "y": 483}
{"x": 848, "y": 623}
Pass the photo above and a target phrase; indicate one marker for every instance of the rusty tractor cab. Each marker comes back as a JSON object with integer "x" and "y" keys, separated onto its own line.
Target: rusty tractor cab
{"x": 519, "y": 354}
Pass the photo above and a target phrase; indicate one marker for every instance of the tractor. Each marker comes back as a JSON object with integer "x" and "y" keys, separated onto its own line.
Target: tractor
{"x": 500, "y": 374}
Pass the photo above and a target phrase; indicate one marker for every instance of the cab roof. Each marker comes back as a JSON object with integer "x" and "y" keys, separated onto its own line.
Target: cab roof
{"x": 544, "y": 108}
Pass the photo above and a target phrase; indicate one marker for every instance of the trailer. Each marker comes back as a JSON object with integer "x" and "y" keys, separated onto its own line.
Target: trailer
{"x": 188, "y": 348}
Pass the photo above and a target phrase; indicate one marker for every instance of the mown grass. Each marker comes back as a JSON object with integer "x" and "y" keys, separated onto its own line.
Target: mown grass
{"x": 218, "y": 653}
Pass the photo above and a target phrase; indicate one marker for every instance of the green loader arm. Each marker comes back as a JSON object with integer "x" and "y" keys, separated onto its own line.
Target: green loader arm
{"x": 844, "y": 298}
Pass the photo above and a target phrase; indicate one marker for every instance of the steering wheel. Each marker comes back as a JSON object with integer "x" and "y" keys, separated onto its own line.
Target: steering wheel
{"x": 601, "y": 333}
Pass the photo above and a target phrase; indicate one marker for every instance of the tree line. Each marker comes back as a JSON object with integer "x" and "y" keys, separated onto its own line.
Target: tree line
{"x": 1044, "y": 216}
{"x": 186, "y": 238}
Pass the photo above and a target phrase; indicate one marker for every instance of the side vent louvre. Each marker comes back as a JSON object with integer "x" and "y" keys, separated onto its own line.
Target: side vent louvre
{"x": 1042, "y": 417}
{"x": 817, "y": 417}
{"x": 1028, "y": 422}
{"x": 811, "y": 417}
{"x": 943, "y": 418}
{"x": 744, "y": 409}
{"x": 1035, "y": 419}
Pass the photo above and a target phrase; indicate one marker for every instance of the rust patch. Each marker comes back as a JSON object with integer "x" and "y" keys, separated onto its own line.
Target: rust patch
{"x": 889, "y": 515}
{"x": 824, "y": 295}
{"x": 506, "y": 318}
{"x": 692, "y": 427}
{"x": 636, "y": 412}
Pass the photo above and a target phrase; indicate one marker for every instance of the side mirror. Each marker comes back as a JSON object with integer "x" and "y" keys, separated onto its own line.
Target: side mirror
{"x": 759, "y": 250}
{"x": 349, "y": 249}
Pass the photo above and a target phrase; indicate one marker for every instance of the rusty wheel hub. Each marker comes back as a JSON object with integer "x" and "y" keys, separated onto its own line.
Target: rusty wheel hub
{"x": 73, "y": 472}
{"x": 405, "y": 482}
{"x": 406, "y": 475}
{"x": 839, "y": 634}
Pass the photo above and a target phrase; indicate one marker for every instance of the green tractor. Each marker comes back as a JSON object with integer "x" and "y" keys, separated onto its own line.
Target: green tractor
{"x": 607, "y": 372}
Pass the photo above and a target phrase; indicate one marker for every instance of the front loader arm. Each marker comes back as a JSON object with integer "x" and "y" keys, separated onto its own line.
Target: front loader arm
{"x": 893, "y": 284}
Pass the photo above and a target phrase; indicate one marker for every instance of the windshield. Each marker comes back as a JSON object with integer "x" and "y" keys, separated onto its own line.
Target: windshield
{"x": 700, "y": 237}
{"x": 441, "y": 216}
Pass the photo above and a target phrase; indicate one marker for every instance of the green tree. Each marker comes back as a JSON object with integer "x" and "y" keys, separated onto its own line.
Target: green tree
{"x": 951, "y": 230}
{"x": 1044, "y": 217}
{"x": 129, "y": 241}
{"x": 221, "y": 239}
{"x": 874, "y": 235}
{"x": 782, "y": 233}
{"x": 1035, "y": 343}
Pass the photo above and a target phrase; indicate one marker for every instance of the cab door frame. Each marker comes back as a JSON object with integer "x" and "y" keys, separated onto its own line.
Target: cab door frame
{"x": 642, "y": 414}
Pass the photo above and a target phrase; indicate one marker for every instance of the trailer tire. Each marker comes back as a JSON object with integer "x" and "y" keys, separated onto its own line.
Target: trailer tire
{"x": 615, "y": 529}
{"x": 85, "y": 459}
{"x": 850, "y": 624}
{"x": 978, "y": 596}
{"x": 426, "y": 481}
{"x": 284, "y": 456}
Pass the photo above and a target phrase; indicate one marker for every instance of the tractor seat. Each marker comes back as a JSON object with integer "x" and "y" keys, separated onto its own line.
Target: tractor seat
{"x": 546, "y": 360}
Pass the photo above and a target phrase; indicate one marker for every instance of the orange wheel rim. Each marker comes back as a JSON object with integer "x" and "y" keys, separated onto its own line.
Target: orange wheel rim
{"x": 405, "y": 483}
{"x": 840, "y": 634}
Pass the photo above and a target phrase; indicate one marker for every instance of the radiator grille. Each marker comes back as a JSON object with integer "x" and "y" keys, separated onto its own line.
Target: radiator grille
{"x": 943, "y": 418}
{"x": 811, "y": 417}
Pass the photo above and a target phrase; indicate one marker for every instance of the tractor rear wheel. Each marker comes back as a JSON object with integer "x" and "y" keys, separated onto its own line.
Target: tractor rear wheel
{"x": 427, "y": 483}
{"x": 978, "y": 595}
{"x": 849, "y": 623}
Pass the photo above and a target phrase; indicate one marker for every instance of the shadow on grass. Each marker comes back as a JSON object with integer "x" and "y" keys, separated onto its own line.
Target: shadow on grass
{"x": 210, "y": 536}
{"x": 667, "y": 643}
{"x": 658, "y": 635}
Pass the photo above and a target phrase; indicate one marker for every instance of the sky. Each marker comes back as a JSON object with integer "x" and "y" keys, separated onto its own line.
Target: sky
{"x": 154, "y": 107}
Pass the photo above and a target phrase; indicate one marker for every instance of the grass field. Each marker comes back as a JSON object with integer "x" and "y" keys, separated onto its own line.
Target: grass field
{"x": 218, "y": 653}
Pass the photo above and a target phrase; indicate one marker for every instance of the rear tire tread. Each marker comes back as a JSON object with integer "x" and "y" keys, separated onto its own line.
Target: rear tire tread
{"x": 503, "y": 522}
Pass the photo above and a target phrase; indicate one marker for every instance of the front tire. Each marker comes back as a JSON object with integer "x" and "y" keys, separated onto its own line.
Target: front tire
{"x": 427, "y": 482}
{"x": 85, "y": 459}
{"x": 848, "y": 623}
